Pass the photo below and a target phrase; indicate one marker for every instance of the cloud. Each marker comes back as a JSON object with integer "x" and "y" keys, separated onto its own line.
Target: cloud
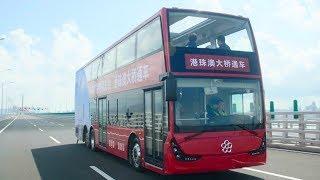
{"x": 248, "y": 8}
{"x": 5, "y": 58}
{"x": 289, "y": 72}
{"x": 20, "y": 39}
{"x": 45, "y": 78}
{"x": 22, "y": 52}
{"x": 301, "y": 14}
{"x": 70, "y": 46}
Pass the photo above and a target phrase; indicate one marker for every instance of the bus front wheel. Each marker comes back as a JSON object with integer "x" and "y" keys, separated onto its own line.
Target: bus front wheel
{"x": 135, "y": 154}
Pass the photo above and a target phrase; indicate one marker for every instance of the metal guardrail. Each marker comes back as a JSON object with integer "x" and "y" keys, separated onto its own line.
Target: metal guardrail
{"x": 57, "y": 113}
{"x": 294, "y": 130}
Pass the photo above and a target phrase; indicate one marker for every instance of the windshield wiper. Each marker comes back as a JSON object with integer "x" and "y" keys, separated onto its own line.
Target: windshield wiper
{"x": 246, "y": 129}
{"x": 187, "y": 138}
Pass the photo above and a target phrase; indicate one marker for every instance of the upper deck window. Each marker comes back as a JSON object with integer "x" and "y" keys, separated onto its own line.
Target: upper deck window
{"x": 145, "y": 42}
{"x": 207, "y": 28}
{"x": 149, "y": 38}
{"x": 88, "y": 70}
{"x": 186, "y": 23}
{"x": 95, "y": 68}
{"x": 126, "y": 51}
{"x": 109, "y": 61}
{"x": 92, "y": 70}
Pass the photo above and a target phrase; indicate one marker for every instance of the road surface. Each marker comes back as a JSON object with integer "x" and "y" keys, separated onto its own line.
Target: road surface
{"x": 43, "y": 147}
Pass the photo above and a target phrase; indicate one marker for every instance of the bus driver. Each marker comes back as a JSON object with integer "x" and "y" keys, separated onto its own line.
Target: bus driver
{"x": 215, "y": 108}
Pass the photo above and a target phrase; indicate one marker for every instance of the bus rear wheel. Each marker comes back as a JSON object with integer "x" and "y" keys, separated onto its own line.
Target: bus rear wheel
{"x": 86, "y": 138}
{"x": 135, "y": 155}
{"x": 92, "y": 141}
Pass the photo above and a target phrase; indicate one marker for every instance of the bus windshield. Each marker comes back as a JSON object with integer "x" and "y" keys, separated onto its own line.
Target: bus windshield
{"x": 217, "y": 104}
{"x": 202, "y": 30}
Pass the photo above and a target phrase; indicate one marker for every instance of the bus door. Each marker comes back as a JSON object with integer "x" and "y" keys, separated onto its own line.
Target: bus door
{"x": 102, "y": 108}
{"x": 153, "y": 126}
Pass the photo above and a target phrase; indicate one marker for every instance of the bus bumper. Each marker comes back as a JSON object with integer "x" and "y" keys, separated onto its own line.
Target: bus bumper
{"x": 213, "y": 163}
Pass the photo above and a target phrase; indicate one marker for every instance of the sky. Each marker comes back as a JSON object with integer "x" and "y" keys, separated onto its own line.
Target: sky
{"x": 47, "y": 41}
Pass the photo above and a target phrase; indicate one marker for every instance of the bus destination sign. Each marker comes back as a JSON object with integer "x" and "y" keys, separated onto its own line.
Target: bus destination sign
{"x": 216, "y": 62}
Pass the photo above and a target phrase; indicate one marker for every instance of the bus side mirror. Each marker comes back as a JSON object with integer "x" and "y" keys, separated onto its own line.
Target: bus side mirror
{"x": 170, "y": 89}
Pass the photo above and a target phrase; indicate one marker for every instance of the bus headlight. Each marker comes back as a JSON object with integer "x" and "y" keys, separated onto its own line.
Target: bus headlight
{"x": 180, "y": 155}
{"x": 262, "y": 148}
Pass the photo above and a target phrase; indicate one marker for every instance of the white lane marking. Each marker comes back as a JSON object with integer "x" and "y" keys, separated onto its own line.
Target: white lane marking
{"x": 35, "y": 125}
{"x": 40, "y": 129}
{"x": 294, "y": 151}
{"x": 51, "y": 122}
{"x": 60, "y": 124}
{"x": 54, "y": 139}
{"x": 8, "y": 124}
{"x": 103, "y": 174}
{"x": 272, "y": 174}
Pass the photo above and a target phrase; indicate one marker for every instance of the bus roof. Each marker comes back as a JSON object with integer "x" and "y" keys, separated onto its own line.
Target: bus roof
{"x": 154, "y": 16}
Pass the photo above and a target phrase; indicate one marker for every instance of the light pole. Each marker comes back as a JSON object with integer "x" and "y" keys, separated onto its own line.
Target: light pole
{"x": 2, "y": 88}
{"x": 6, "y": 96}
{"x": 2, "y": 85}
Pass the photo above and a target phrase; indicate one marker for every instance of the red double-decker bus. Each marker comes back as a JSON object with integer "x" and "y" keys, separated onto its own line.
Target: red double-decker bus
{"x": 181, "y": 93}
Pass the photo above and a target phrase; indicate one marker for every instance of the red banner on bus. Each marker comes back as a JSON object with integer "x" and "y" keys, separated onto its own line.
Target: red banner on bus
{"x": 216, "y": 62}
